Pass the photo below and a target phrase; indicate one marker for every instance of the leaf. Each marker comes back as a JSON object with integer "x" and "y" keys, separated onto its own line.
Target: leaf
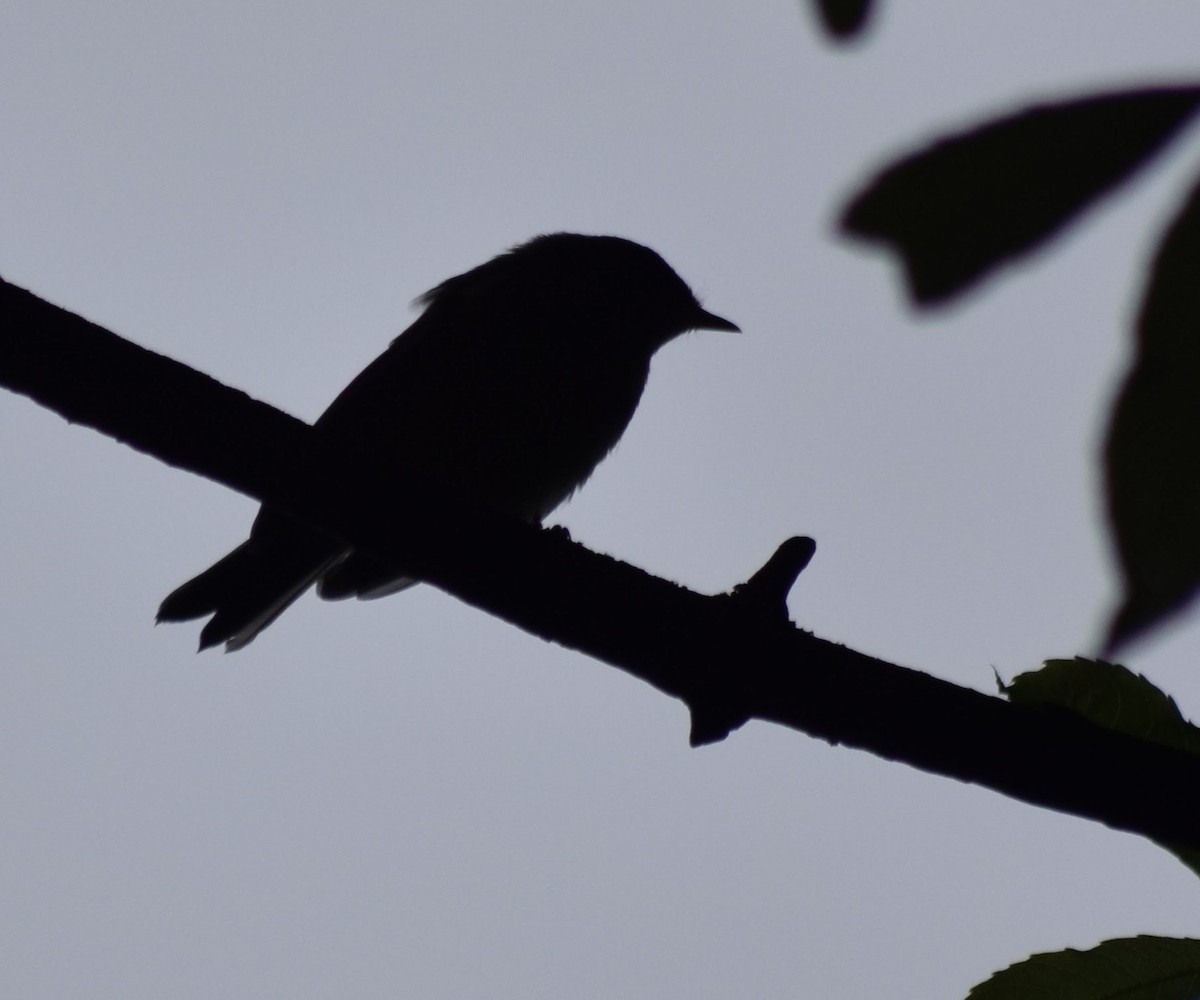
{"x": 1109, "y": 695}
{"x": 1112, "y": 696}
{"x": 968, "y": 202}
{"x": 844, "y": 18}
{"x": 1152, "y": 454}
{"x": 1138, "y": 968}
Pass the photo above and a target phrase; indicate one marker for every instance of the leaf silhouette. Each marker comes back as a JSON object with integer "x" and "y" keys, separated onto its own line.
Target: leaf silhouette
{"x": 1109, "y": 695}
{"x": 968, "y": 202}
{"x": 844, "y": 19}
{"x": 1112, "y": 696}
{"x": 1152, "y": 455}
{"x": 1137, "y": 968}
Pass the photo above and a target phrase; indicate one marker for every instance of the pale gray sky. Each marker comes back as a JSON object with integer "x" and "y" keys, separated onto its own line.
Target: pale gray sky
{"x": 407, "y": 798}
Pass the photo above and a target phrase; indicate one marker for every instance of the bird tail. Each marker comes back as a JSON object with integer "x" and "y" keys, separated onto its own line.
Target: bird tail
{"x": 363, "y": 576}
{"x": 249, "y": 588}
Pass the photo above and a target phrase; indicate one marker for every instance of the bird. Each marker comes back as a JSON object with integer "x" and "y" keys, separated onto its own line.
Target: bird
{"x": 512, "y": 384}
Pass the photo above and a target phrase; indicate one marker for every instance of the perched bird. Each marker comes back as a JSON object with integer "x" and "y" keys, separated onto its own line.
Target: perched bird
{"x": 514, "y": 382}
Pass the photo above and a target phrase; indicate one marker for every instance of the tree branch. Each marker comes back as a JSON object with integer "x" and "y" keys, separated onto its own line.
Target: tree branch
{"x": 729, "y": 657}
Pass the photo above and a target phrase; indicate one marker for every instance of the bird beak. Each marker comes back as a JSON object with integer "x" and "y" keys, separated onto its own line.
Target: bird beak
{"x": 704, "y": 320}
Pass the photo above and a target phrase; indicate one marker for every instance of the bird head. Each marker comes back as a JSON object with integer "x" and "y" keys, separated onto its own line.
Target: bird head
{"x": 602, "y": 285}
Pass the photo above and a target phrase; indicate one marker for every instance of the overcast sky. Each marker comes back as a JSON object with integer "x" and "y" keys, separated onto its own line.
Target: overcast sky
{"x": 406, "y": 798}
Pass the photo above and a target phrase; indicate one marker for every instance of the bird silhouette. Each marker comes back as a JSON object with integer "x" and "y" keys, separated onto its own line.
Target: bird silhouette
{"x": 512, "y": 385}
